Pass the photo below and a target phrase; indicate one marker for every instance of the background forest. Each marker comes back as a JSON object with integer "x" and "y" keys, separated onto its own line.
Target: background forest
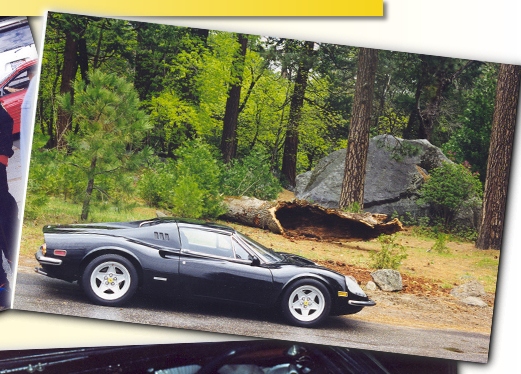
{"x": 182, "y": 117}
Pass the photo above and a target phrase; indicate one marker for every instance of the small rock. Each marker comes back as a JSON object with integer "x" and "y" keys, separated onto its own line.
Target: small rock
{"x": 387, "y": 280}
{"x": 472, "y": 288}
{"x": 371, "y": 286}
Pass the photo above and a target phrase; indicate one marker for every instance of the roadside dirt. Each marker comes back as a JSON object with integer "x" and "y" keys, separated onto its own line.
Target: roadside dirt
{"x": 421, "y": 304}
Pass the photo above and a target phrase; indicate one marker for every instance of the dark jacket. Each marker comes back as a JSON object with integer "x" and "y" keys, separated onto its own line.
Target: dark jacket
{"x": 6, "y": 132}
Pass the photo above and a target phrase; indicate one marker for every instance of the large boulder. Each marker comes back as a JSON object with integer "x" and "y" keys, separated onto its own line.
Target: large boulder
{"x": 395, "y": 171}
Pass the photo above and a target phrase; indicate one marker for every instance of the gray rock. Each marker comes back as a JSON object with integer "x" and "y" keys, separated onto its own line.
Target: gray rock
{"x": 371, "y": 286}
{"x": 393, "y": 176}
{"x": 388, "y": 280}
{"x": 474, "y": 301}
{"x": 470, "y": 289}
{"x": 395, "y": 171}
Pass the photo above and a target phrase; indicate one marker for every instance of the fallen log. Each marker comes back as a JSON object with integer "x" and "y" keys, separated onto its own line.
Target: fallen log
{"x": 298, "y": 218}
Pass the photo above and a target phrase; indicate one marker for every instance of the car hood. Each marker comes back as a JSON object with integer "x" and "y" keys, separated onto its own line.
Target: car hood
{"x": 292, "y": 259}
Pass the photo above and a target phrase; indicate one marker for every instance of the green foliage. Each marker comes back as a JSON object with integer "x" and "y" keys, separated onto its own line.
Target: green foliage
{"x": 400, "y": 149}
{"x": 156, "y": 182}
{"x": 470, "y": 142}
{"x": 189, "y": 187}
{"x": 449, "y": 188}
{"x": 250, "y": 176}
{"x": 198, "y": 163}
{"x": 188, "y": 199}
{"x": 440, "y": 245}
{"x": 390, "y": 255}
{"x": 354, "y": 207}
{"x": 109, "y": 125}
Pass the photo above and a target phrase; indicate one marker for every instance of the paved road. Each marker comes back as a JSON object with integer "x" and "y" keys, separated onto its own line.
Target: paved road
{"x": 38, "y": 293}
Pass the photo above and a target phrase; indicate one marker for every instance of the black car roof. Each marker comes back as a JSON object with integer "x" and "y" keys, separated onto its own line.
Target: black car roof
{"x": 204, "y": 224}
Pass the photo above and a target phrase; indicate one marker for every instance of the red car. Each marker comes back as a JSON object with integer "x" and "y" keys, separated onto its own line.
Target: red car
{"x": 12, "y": 91}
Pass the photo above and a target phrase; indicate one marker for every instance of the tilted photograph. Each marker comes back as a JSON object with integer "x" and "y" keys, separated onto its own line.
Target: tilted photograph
{"x": 18, "y": 66}
{"x": 267, "y": 187}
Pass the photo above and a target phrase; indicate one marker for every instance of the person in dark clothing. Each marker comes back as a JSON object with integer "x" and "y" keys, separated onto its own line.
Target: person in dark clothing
{"x": 8, "y": 206}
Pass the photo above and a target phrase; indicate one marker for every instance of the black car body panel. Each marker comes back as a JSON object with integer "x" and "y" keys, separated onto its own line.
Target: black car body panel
{"x": 269, "y": 356}
{"x": 190, "y": 258}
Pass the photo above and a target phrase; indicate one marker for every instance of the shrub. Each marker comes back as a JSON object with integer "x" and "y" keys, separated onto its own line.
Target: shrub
{"x": 440, "y": 245}
{"x": 449, "y": 188}
{"x": 156, "y": 183}
{"x": 189, "y": 186}
{"x": 390, "y": 255}
{"x": 250, "y": 176}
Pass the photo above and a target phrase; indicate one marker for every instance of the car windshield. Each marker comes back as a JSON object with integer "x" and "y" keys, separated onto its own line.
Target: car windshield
{"x": 16, "y": 38}
{"x": 269, "y": 255}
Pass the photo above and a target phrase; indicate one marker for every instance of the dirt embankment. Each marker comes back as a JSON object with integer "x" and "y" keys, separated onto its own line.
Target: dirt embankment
{"x": 421, "y": 303}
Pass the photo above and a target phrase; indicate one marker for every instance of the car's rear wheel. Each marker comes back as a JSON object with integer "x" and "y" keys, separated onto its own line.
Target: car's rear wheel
{"x": 110, "y": 280}
{"x": 306, "y": 303}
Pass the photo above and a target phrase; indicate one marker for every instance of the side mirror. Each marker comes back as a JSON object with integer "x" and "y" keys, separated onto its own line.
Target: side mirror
{"x": 255, "y": 261}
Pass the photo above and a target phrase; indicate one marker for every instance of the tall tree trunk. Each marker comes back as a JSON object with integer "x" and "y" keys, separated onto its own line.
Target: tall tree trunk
{"x": 500, "y": 154}
{"x": 358, "y": 142}
{"x": 88, "y": 192}
{"x": 70, "y": 66}
{"x": 231, "y": 114}
{"x": 289, "y": 158}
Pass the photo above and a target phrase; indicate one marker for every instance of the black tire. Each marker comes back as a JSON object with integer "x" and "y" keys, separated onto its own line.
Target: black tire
{"x": 109, "y": 280}
{"x": 306, "y": 303}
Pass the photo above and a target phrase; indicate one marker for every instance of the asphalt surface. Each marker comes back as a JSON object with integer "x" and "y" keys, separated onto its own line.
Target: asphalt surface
{"x": 38, "y": 293}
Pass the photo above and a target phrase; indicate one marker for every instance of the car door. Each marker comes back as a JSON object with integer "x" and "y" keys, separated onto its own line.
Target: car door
{"x": 210, "y": 268}
{"x": 158, "y": 245}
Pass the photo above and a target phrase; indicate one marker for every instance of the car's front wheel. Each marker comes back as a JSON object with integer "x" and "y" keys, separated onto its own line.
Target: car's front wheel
{"x": 306, "y": 303}
{"x": 110, "y": 280}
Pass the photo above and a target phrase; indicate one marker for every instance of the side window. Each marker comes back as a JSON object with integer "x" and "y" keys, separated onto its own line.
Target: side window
{"x": 240, "y": 252}
{"x": 206, "y": 242}
{"x": 20, "y": 82}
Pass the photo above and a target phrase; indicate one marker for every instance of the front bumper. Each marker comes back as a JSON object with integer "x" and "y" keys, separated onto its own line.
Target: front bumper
{"x": 350, "y": 305}
{"x": 361, "y": 303}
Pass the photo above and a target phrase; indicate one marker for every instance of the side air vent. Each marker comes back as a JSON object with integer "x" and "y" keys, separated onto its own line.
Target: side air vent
{"x": 161, "y": 236}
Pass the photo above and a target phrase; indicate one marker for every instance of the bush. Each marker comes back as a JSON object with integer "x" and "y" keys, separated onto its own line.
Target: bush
{"x": 189, "y": 186}
{"x": 157, "y": 182}
{"x": 250, "y": 176}
{"x": 440, "y": 245}
{"x": 390, "y": 255}
{"x": 449, "y": 188}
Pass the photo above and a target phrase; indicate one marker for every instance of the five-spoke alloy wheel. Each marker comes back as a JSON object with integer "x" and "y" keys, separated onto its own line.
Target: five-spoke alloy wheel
{"x": 110, "y": 280}
{"x": 306, "y": 303}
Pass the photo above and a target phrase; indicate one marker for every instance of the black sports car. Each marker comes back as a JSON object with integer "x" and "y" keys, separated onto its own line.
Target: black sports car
{"x": 166, "y": 255}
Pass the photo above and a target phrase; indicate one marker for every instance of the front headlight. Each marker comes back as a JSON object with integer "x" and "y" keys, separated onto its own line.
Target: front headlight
{"x": 353, "y": 286}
